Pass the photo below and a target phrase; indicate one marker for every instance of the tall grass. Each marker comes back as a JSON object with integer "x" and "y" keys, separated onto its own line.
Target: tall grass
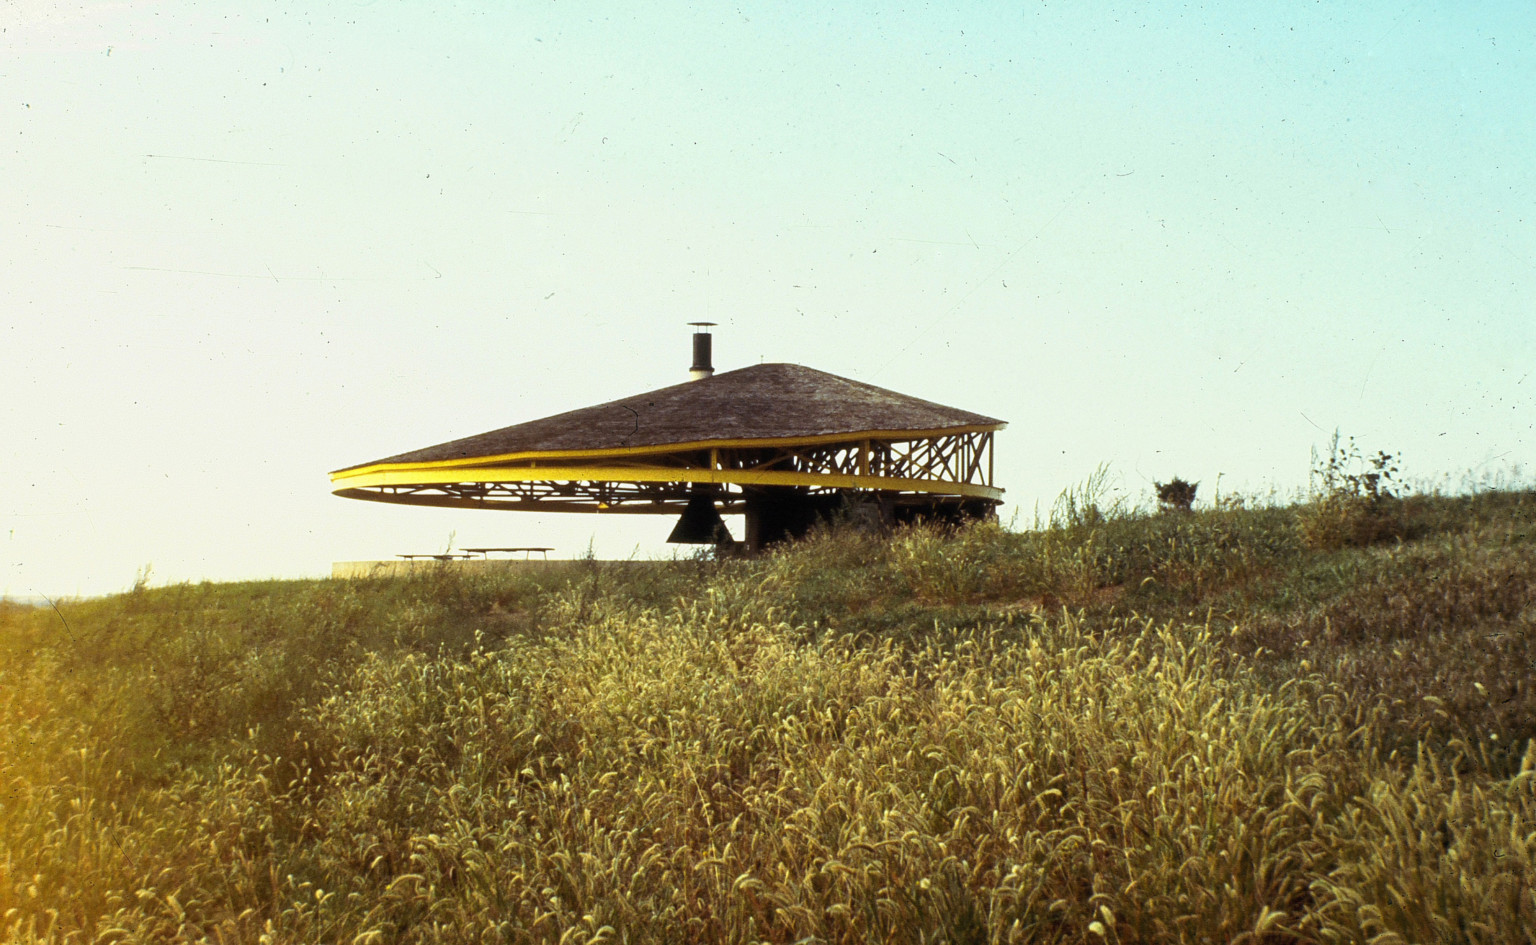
{"x": 1118, "y": 727}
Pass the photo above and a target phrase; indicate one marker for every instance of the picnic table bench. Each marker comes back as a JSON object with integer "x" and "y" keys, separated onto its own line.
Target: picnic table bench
{"x": 527, "y": 552}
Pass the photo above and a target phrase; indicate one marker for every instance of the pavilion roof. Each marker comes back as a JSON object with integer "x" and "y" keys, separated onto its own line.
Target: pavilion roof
{"x": 766, "y": 401}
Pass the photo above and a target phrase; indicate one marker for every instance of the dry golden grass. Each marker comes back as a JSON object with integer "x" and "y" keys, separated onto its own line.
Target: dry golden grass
{"x": 687, "y": 757}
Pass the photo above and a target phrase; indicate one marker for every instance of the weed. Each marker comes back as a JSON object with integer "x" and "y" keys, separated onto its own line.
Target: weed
{"x": 1089, "y": 503}
{"x": 1354, "y": 499}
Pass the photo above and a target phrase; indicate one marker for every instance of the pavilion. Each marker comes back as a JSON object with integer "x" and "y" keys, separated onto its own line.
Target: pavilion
{"x": 782, "y": 444}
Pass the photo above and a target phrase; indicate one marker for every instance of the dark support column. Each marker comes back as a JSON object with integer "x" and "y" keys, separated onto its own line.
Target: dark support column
{"x": 779, "y": 513}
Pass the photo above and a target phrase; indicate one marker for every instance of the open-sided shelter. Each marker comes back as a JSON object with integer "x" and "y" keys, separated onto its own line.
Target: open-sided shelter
{"x": 780, "y": 443}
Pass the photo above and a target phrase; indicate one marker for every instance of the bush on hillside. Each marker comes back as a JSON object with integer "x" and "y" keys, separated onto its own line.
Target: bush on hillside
{"x": 1176, "y": 495}
{"x": 1355, "y": 500}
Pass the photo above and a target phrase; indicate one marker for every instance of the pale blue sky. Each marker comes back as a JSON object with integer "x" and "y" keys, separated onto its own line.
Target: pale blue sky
{"x": 243, "y": 244}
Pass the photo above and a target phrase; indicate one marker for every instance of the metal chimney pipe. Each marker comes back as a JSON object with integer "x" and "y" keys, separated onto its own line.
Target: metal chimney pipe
{"x": 703, "y": 365}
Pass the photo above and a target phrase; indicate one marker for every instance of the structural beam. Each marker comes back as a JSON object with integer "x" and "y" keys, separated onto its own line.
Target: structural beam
{"x": 920, "y": 468}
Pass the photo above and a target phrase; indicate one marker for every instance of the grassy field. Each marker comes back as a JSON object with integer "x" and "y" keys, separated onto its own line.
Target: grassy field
{"x": 1272, "y": 724}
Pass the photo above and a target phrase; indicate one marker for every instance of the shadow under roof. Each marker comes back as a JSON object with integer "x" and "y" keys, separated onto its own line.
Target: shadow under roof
{"x": 771, "y": 402}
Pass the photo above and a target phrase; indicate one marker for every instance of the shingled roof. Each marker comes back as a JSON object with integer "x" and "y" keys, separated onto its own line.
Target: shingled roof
{"x": 765, "y": 401}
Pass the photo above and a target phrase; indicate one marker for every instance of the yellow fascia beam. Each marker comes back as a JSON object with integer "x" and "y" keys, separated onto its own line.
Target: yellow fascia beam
{"x": 851, "y": 439}
{"x": 391, "y": 476}
{"x": 564, "y": 504}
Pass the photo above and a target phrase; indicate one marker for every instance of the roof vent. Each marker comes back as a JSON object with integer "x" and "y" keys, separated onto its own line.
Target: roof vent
{"x": 703, "y": 366}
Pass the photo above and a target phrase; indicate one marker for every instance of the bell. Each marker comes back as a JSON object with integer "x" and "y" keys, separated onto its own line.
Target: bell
{"x": 700, "y": 523}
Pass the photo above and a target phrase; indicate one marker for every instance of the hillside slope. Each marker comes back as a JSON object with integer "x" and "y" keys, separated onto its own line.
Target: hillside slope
{"x": 1279, "y": 724}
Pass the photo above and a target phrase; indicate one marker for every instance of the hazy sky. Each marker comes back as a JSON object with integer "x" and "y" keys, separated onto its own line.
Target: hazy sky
{"x": 243, "y": 244}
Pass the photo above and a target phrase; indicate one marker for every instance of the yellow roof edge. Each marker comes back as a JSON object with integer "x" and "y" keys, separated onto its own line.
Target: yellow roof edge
{"x": 817, "y": 440}
{"x": 563, "y": 507}
{"x": 366, "y": 480}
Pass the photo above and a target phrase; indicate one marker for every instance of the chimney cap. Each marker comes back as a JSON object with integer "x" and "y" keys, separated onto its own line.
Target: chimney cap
{"x": 704, "y": 324}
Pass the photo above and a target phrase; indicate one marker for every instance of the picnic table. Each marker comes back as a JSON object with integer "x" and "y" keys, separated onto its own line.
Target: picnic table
{"x": 527, "y": 552}
{"x": 440, "y": 557}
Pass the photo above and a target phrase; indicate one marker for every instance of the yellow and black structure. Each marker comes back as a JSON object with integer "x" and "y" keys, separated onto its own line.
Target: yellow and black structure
{"x": 780, "y": 443}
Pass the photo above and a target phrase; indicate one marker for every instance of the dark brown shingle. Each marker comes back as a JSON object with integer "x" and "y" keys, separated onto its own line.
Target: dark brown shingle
{"x": 766, "y": 401}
